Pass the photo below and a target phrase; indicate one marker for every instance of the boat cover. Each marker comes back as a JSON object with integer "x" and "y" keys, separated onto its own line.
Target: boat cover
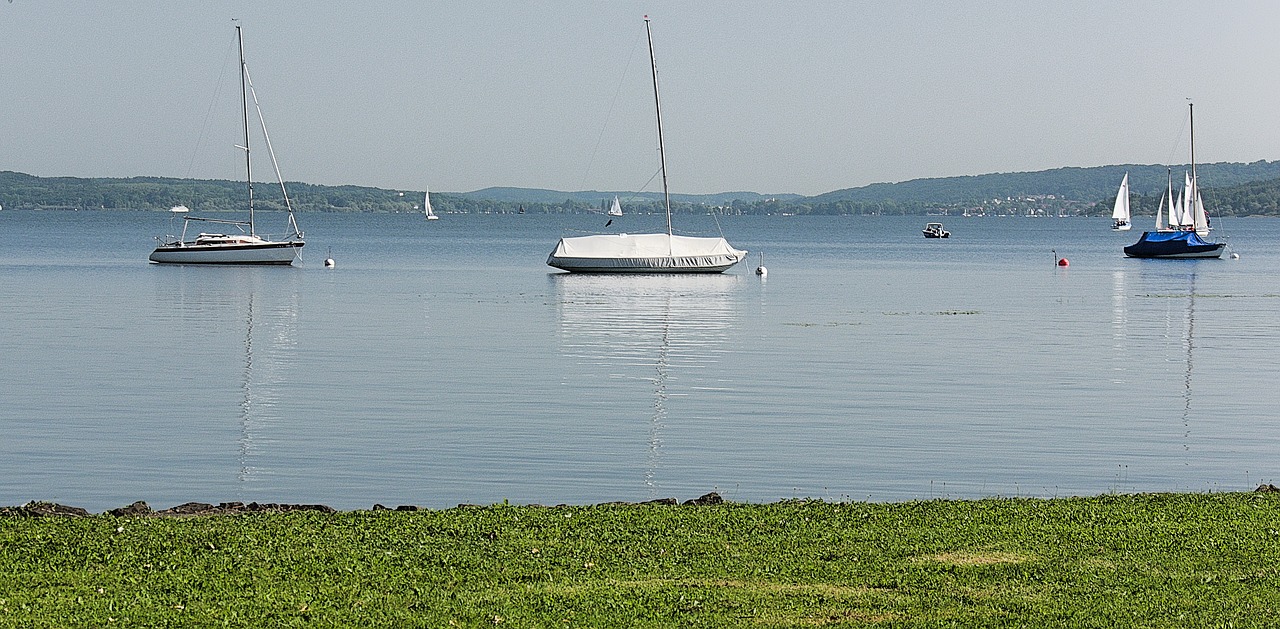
{"x": 644, "y": 252}
{"x": 1173, "y": 244}
{"x": 1190, "y": 238}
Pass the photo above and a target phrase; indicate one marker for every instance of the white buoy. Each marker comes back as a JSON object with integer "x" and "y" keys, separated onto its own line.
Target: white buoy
{"x": 760, "y": 270}
{"x": 1235, "y": 256}
{"x": 328, "y": 262}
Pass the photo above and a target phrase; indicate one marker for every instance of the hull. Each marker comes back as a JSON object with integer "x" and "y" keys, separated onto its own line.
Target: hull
{"x": 258, "y": 253}
{"x": 1174, "y": 245}
{"x": 644, "y": 253}
{"x": 685, "y": 264}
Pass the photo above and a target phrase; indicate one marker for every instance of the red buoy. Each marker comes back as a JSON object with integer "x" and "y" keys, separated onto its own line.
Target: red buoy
{"x": 1063, "y": 262}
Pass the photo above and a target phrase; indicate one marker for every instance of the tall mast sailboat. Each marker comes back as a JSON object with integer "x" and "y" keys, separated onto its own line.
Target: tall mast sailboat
{"x": 245, "y": 247}
{"x": 646, "y": 253}
{"x": 1187, "y": 242}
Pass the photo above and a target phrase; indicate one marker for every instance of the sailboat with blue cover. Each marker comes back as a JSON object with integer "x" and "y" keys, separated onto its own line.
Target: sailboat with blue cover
{"x": 1188, "y": 239}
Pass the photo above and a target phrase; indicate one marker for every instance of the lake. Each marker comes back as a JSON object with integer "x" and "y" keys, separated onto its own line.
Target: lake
{"x": 443, "y": 363}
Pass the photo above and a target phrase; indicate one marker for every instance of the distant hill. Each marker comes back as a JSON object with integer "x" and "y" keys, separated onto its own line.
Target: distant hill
{"x": 537, "y": 195}
{"x": 1229, "y": 188}
{"x": 1071, "y": 184}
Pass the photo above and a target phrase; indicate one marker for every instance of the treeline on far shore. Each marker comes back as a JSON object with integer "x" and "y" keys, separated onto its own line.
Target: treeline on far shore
{"x": 22, "y": 191}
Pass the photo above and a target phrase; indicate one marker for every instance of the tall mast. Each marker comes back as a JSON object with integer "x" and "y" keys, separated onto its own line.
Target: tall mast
{"x": 662, "y": 154}
{"x": 244, "y": 103}
{"x": 1191, "y": 107}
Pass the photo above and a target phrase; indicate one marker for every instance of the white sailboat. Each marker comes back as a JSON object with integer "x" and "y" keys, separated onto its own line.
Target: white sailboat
{"x": 245, "y": 247}
{"x": 646, "y": 253}
{"x": 616, "y": 208}
{"x": 426, "y": 206}
{"x": 1120, "y": 214}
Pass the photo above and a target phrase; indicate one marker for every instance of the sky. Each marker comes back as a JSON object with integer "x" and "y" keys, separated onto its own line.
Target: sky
{"x": 769, "y": 97}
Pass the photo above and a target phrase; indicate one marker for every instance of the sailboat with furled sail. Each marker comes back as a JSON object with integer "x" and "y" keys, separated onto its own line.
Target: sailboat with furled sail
{"x": 1189, "y": 223}
{"x": 245, "y": 247}
{"x": 646, "y": 253}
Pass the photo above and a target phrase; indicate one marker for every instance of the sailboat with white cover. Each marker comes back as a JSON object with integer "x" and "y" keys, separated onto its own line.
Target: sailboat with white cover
{"x": 646, "y": 253}
{"x": 616, "y": 208}
{"x": 426, "y": 206}
{"x": 245, "y": 247}
{"x": 1120, "y": 214}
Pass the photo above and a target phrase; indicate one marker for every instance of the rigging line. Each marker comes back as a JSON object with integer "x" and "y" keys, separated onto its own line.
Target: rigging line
{"x": 208, "y": 114}
{"x": 1177, "y": 143}
{"x": 609, "y": 116}
{"x": 270, "y": 151}
{"x": 651, "y": 178}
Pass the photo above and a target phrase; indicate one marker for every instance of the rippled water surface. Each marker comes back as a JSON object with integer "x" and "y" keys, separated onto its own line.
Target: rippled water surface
{"x": 443, "y": 362}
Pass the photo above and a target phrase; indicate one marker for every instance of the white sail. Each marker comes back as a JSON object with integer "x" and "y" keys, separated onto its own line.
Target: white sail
{"x": 1120, "y": 214}
{"x": 1160, "y": 215}
{"x": 426, "y": 206}
{"x": 1200, "y": 220}
{"x": 1184, "y": 204}
{"x": 616, "y": 208}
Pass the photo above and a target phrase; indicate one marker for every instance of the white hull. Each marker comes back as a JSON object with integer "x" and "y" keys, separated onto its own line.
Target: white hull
{"x": 257, "y": 253}
{"x": 666, "y": 264}
{"x": 644, "y": 253}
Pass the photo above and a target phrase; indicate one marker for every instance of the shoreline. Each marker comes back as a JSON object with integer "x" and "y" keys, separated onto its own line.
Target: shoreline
{"x": 43, "y": 509}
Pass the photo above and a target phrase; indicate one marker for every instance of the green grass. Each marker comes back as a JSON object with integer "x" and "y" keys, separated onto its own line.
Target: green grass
{"x": 1166, "y": 560}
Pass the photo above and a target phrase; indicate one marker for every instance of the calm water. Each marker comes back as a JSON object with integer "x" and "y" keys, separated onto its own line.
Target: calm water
{"x": 444, "y": 363}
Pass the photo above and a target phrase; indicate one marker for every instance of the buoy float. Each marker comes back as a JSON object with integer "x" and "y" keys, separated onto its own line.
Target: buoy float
{"x": 1064, "y": 262}
{"x": 328, "y": 262}
{"x": 760, "y": 270}
{"x": 1235, "y": 256}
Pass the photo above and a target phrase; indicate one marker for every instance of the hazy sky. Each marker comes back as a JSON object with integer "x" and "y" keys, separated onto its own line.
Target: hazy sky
{"x": 769, "y": 97}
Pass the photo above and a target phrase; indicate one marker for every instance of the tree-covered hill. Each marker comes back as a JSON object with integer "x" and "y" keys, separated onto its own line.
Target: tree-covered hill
{"x": 1072, "y": 184}
{"x": 1229, "y": 189}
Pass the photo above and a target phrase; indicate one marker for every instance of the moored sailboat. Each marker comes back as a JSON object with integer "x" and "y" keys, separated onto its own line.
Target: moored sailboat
{"x": 646, "y": 253}
{"x": 246, "y": 247}
{"x": 1186, "y": 238}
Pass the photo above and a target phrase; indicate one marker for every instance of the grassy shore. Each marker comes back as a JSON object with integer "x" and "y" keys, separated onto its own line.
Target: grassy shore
{"x": 1165, "y": 560}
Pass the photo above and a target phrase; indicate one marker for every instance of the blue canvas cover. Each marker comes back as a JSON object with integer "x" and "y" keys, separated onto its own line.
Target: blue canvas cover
{"x": 1173, "y": 244}
{"x": 1189, "y": 238}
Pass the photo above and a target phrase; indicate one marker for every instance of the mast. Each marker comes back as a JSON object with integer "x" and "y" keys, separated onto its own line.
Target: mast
{"x": 1191, "y": 108}
{"x": 244, "y": 104}
{"x": 662, "y": 155}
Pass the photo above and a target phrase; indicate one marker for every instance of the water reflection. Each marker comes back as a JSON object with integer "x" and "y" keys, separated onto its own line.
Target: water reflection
{"x": 222, "y": 311}
{"x": 1119, "y": 323}
{"x": 1189, "y": 344}
{"x": 651, "y": 342}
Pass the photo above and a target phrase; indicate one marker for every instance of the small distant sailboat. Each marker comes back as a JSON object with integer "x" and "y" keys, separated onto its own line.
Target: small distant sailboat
{"x": 616, "y": 208}
{"x": 1120, "y": 214}
{"x": 426, "y": 206}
